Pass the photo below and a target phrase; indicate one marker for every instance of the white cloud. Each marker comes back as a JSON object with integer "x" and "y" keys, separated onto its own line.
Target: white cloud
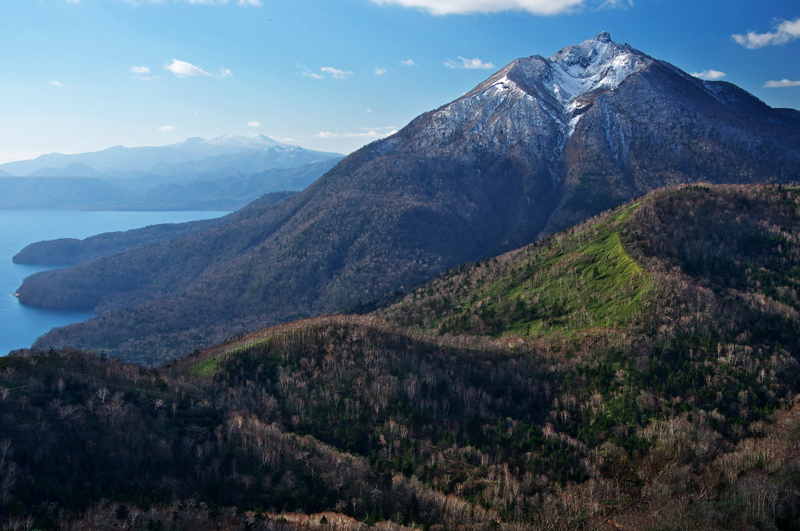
{"x": 408, "y": 62}
{"x": 369, "y": 110}
{"x": 165, "y": 128}
{"x": 182, "y": 69}
{"x": 469, "y": 64}
{"x": 243, "y": 3}
{"x": 784, "y": 31}
{"x": 447, "y": 7}
{"x": 224, "y": 72}
{"x": 782, "y": 83}
{"x": 710, "y": 75}
{"x": 56, "y": 83}
{"x": 335, "y": 72}
{"x": 617, "y": 3}
{"x": 379, "y": 71}
{"x": 140, "y": 70}
{"x": 254, "y": 124}
{"x": 369, "y": 132}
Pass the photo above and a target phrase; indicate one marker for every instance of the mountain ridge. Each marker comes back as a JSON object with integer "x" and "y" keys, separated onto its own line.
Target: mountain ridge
{"x": 489, "y": 172}
{"x": 119, "y": 161}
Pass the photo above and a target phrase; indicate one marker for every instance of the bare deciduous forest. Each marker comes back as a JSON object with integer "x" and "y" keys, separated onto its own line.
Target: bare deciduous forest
{"x": 638, "y": 371}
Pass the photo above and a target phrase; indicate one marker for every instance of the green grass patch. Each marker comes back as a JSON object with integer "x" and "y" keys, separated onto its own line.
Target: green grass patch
{"x": 207, "y": 368}
{"x": 588, "y": 281}
{"x": 582, "y": 282}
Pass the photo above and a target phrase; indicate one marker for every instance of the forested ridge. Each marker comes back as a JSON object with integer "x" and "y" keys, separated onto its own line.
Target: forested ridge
{"x": 638, "y": 371}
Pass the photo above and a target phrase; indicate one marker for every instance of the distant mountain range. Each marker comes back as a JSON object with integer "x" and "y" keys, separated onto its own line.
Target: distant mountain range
{"x": 541, "y": 145}
{"x": 229, "y": 170}
{"x": 243, "y": 153}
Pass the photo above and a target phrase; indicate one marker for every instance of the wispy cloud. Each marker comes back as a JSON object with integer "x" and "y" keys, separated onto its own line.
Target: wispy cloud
{"x": 380, "y": 71}
{"x": 254, "y": 124}
{"x": 408, "y": 62}
{"x": 612, "y": 4}
{"x": 781, "y": 84}
{"x": 183, "y": 69}
{"x": 224, "y": 72}
{"x": 334, "y": 73}
{"x": 469, "y": 64}
{"x": 783, "y": 31}
{"x": 242, "y": 3}
{"x": 368, "y": 132}
{"x": 56, "y": 83}
{"x": 710, "y": 75}
{"x": 536, "y": 7}
{"x": 140, "y": 70}
{"x": 165, "y": 128}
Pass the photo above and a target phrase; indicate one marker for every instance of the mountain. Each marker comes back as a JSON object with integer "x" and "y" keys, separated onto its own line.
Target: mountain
{"x": 223, "y": 173}
{"x": 542, "y": 144}
{"x": 122, "y": 161}
{"x": 222, "y": 191}
{"x": 59, "y": 192}
{"x": 5, "y": 174}
{"x": 250, "y": 161}
{"x": 76, "y": 169}
{"x": 639, "y": 371}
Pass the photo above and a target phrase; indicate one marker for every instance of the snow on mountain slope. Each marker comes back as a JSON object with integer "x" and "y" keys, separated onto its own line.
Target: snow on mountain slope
{"x": 534, "y": 103}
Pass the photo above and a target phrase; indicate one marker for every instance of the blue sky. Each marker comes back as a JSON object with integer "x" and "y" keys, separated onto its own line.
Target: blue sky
{"x": 332, "y": 75}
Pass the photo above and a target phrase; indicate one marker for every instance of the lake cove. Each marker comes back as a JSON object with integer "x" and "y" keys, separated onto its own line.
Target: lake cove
{"x": 20, "y": 325}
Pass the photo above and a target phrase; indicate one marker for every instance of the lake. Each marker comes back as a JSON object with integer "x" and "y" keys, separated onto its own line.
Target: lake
{"x": 20, "y": 325}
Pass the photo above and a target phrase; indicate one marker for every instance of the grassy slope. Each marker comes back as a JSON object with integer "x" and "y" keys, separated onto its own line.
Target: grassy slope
{"x": 570, "y": 284}
{"x": 587, "y": 281}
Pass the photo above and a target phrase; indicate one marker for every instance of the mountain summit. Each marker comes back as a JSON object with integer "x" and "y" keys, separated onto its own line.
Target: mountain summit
{"x": 564, "y": 85}
{"x": 539, "y": 146}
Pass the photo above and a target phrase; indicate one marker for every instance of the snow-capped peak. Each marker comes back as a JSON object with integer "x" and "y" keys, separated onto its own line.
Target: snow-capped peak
{"x": 538, "y": 97}
{"x": 598, "y": 64}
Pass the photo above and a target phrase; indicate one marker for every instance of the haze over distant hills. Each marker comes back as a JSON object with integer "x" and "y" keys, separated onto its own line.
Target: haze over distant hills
{"x": 221, "y": 173}
{"x": 242, "y": 152}
{"x": 541, "y": 145}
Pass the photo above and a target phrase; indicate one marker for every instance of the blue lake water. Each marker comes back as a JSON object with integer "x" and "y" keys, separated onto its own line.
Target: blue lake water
{"x": 20, "y": 325}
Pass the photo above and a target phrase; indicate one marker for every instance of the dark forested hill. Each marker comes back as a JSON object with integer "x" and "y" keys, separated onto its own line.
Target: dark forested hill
{"x": 639, "y": 371}
{"x": 541, "y": 145}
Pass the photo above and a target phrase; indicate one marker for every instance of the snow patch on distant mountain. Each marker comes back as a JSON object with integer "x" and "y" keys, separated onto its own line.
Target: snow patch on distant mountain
{"x": 241, "y": 151}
